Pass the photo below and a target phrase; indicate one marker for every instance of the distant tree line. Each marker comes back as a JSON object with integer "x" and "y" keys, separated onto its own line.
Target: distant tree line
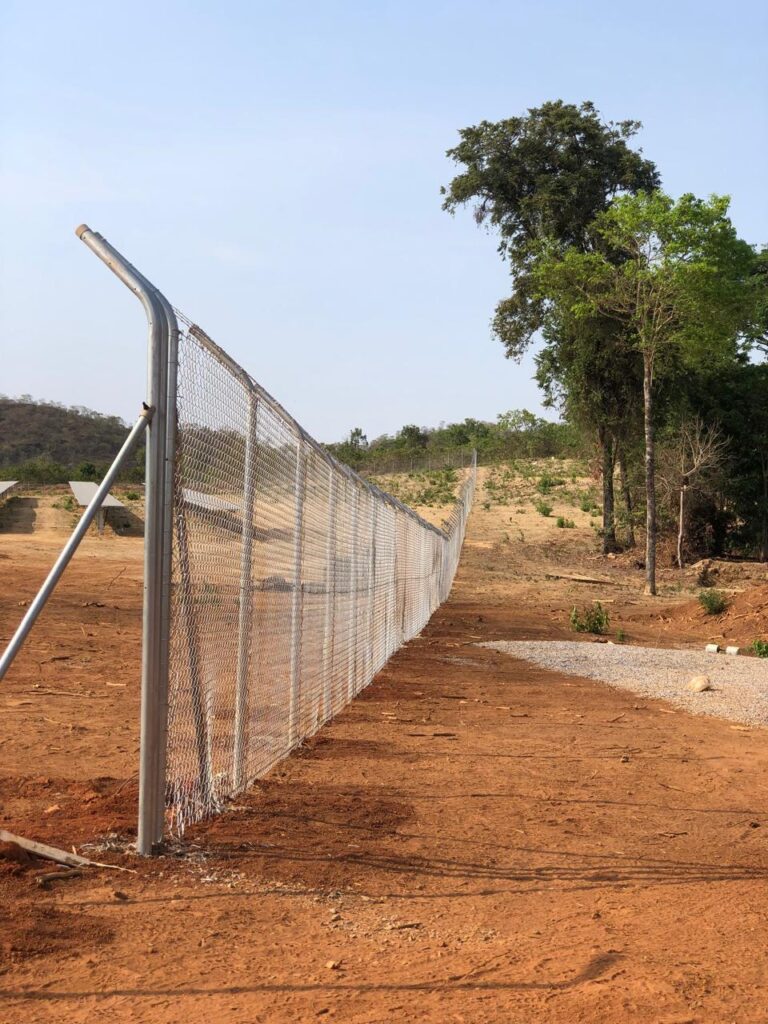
{"x": 48, "y": 443}
{"x": 514, "y": 434}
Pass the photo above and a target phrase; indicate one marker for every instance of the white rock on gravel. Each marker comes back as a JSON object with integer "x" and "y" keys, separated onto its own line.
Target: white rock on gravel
{"x": 699, "y": 684}
{"x": 739, "y": 686}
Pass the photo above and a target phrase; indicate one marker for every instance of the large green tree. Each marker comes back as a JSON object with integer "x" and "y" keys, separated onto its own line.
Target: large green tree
{"x": 672, "y": 273}
{"x": 545, "y": 177}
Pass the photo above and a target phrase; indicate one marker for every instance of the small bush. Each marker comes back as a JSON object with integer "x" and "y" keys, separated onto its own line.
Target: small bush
{"x": 66, "y": 503}
{"x": 427, "y": 487}
{"x": 592, "y": 619}
{"x": 132, "y": 496}
{"x": 714, "y": 602}
{"x": 621, "y": 636}
{"x": 564, "y": 524}
{"x": 760, "y": 648}
{"x": 543, "y": 509}
{"x": 546, "y": 482}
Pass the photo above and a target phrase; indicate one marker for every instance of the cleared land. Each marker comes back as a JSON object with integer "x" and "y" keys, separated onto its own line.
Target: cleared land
{"x": 474, "y": 839}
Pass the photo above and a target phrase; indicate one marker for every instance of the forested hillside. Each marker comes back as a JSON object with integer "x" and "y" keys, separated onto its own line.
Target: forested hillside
{"x": 44, "y": 442}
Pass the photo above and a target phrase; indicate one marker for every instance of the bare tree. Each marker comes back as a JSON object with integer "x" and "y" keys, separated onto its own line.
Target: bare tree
{"x": 700, "y": 448}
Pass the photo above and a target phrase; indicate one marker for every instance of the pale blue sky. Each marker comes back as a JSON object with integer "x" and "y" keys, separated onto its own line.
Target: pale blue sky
{"x": 275, "y": 169}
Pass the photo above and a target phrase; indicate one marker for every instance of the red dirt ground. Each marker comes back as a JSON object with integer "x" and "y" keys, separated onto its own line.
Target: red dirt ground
{"x": 473, "y": 839}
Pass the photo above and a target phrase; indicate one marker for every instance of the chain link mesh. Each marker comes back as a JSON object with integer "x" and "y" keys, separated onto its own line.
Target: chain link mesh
{"x": 293, "y": 581}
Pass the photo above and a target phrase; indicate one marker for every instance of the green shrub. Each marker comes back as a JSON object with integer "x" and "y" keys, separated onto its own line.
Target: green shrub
{"x": 564, "y": 524}
{"x": 66, "y": 503}
{"x": 587, "y": 502}
{"x": 428, "y": 487}
{"x": 714, "y": 602}
{"x": 88, "y": 471}
{"x": 760, "y": 648}
{"x": 546, "y": 482}
{"x": 590, "y": 619}
{"x": 621, "y": 636}
{"x": 543, "y": 508}
{"x": 132, "y": 496}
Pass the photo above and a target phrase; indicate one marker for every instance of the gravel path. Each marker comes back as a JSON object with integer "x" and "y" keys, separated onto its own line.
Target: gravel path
{"x": 740, "y": 684}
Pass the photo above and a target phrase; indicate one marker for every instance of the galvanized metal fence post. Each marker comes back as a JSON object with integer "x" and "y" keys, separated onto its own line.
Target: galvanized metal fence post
{"x": 330, "y": 595}
{"x": 245, "y": 611}
{"x": 160, "y": 740}
{"x": 393, "y": 619}
{"x": 294, "y": 708}
{"x": 158, "y": 492}
{"x": 369, "y": 637}
{"x": 352, "y": 653}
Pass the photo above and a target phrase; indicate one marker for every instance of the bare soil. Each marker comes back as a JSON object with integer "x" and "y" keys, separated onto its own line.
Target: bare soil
{"x": 473, "y": 839}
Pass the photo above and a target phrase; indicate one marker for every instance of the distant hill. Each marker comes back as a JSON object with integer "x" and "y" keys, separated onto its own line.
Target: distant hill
{"x": 44, "y": 442}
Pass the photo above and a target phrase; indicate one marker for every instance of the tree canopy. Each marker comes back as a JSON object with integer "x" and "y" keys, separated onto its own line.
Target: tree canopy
{"x": 542, "y": 176}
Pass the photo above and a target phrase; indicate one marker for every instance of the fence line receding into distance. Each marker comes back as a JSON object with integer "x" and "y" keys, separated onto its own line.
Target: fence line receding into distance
{"x": 293, "y": 581}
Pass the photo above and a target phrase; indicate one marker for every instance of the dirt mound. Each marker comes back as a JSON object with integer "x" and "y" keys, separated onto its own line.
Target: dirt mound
{"x": 744, "y": 619}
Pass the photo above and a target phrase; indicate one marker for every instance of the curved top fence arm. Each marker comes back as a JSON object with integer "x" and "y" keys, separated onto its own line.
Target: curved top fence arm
{"x": 145, "y": 291}
{"x": 161, "y": 395}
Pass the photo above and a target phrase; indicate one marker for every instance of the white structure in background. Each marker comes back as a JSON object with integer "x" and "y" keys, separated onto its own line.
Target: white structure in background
{"x": 202, "y": 502}
{"x": 6, "y": 486}
{"x": 84, "y": 491}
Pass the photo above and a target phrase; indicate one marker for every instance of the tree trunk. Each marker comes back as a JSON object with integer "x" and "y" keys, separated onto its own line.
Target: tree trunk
{"x": 764, "y": 511}
{"x": 609, "y": 523}
{"x": 650, "y": 476}
{"x": 681, "y": 527}
{"x": 626, "y": 494}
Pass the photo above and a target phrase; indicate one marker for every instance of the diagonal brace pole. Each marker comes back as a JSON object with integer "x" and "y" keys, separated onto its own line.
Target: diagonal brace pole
{"x": 61, "y": 563}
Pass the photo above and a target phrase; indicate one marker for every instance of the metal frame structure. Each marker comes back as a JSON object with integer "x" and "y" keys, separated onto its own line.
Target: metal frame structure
{"x": 83, "y": 491}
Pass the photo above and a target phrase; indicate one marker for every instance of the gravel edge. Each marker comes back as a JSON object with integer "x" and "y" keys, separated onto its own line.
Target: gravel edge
{"x": 739, "y": 685}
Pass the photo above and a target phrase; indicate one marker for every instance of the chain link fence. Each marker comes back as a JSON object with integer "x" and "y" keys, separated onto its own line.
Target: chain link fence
{"x": 293, "y": 581}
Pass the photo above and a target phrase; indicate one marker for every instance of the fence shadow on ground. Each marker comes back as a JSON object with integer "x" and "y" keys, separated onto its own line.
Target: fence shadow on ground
{"x": 598, "y": 966}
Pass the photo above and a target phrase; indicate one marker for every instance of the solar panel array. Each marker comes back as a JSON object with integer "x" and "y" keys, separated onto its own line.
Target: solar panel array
{"x": 85, "y": 491}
